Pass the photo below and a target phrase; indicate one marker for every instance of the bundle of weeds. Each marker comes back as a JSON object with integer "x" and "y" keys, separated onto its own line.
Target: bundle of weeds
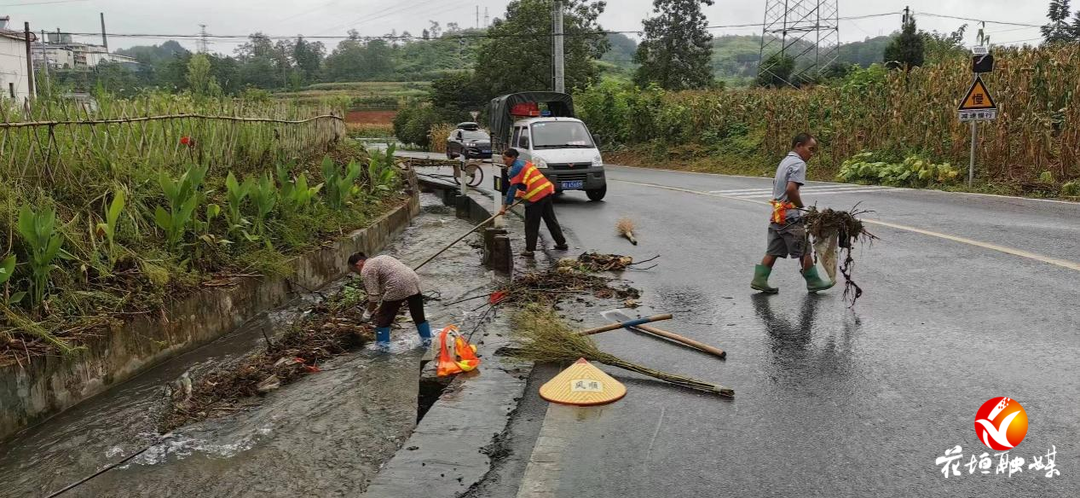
{"x": 549, "y": 286}
{"x": 329, "y": 330}
{"x": 849, "y": 230}
{"x": 544, "y": 337}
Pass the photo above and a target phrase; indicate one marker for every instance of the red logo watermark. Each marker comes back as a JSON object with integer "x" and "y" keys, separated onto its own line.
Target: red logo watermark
{"x": 1001, "y": 423}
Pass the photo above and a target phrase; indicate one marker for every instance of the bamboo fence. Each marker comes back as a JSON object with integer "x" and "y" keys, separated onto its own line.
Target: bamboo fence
{"x": 50, "y": 141}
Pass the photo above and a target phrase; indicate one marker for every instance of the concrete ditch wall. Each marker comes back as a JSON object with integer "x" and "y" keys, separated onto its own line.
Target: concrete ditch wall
{"x": 47, "y": 387}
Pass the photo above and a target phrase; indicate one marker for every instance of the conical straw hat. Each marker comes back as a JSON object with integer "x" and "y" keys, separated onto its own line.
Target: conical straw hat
{"x": 582, "y": 384}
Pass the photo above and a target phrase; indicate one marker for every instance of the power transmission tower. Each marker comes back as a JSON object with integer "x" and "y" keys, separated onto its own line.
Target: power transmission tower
{"x": 487, "y": 19}
{"x": 805, "y": 31}
{"x": 203, "y": 45}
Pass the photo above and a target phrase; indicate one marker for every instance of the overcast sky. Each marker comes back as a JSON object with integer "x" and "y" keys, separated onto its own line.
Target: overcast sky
{"x": 378, "y": 17}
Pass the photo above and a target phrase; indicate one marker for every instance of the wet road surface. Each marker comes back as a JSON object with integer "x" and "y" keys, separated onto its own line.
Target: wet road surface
{"x": 967, "y": 298}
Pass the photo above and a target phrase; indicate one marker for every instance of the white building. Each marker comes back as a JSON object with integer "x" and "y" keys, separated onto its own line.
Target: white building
{"x": 63, "y": 53}
{"x": 14, "y": 80}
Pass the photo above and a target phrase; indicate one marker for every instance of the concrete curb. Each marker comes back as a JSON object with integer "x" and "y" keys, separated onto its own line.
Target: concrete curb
{"x": 47, "y": 387}
{"x": 454, "y": 446}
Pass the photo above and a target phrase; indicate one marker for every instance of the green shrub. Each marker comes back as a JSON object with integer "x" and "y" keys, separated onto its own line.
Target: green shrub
{"x": 914, "y": 171}
{"x": 1071, "y": 189}
{"x": 412, "y": 123}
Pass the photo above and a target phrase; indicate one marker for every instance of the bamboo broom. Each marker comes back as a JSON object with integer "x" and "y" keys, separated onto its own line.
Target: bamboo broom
{"x": 625, "y": 227}
{"x": 544, "y": 337}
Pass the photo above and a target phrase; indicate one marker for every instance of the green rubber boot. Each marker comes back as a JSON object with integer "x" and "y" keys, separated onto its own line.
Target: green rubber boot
{"x": 761, "y": 280}
{"x": 814, "y": 282}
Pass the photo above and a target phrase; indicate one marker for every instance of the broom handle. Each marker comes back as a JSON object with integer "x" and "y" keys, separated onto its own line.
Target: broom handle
{"x": 680, "y": 339}
{"x": 459, "y": 239}
{"x": 626, "y": 324}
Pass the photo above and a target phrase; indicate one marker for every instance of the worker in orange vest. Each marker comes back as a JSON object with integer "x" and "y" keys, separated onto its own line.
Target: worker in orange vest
{"x": 787, "y": 233}
{"x": 529, "y": 183}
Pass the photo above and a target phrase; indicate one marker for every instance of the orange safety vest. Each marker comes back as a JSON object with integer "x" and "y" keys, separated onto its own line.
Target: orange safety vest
{"x": 536, "y": 184}
{"x": 779, "y": 211}
{"x": 456, "y": 355}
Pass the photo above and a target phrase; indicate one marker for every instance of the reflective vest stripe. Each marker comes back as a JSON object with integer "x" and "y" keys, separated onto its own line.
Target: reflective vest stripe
{"x": 536, "y": 184}
{"x": 538, "y": 189}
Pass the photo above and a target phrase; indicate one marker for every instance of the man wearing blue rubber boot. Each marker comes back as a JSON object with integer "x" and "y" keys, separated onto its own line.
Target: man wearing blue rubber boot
{"x": 389, "y": 285}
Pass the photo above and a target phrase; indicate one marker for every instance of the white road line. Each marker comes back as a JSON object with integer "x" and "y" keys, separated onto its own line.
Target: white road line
{"x": 1071, "y": 265}
{"x": 809, "y": 195}
{"x": 805, "y": 189}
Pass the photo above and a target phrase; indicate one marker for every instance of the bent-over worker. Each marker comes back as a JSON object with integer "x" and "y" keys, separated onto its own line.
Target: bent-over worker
{"x": 527, "y": 182}
{"x": 391, "y": 283}
{"x": 787, "y": 232}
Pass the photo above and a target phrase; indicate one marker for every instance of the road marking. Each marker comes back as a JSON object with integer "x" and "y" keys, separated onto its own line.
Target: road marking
{"x": 919, "y": 190}
{"x": 1071, "y": 265}
{"x": 541, "y": 479}
{"x": 812, "y": 192}
{"x": 806, "y": 189}
{"x": 985, "y": 245}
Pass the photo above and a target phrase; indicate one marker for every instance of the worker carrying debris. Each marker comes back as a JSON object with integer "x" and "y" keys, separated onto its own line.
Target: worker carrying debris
{"x": 389, "y": 285}
{"x": 787, "y": 232}
{"x": 530, "y": 184}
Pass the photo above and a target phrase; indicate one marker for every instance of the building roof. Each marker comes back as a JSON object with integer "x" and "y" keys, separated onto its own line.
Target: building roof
{"x": 16, "y": 35}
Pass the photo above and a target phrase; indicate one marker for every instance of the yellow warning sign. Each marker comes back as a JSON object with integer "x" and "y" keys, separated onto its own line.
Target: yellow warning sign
{"x": 978, "y": 97}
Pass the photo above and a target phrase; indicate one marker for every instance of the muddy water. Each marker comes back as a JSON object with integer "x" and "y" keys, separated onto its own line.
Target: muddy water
{"x": 325, "y": 435}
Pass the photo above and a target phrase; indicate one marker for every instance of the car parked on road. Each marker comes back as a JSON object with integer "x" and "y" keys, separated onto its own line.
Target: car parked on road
{"x": 470, "y": 141}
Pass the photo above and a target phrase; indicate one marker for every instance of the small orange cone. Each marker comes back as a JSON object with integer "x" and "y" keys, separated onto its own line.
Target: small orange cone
{"x": 461, "y": 359}
{"x": 582, "y": 384}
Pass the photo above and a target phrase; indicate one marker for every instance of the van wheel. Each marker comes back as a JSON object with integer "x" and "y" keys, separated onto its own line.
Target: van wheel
{"x": 596, "y": 194}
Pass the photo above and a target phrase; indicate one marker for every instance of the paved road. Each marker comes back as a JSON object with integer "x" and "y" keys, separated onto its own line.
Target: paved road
{"x": 968, "y": 297}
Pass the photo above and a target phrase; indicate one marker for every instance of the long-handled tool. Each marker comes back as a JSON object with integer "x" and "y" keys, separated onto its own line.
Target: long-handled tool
{"x": 459, "y": 239}
{"x": 619, "y": 316}
{"x": 625, "y": 324}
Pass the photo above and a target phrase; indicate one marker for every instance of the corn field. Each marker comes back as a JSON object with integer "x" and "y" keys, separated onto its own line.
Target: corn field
{"x": 1036, "y": 131}
{"x": 64, "y": 141}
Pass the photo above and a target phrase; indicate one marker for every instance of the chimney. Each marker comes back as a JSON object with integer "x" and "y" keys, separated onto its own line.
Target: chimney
{"x": 4, "y": 22}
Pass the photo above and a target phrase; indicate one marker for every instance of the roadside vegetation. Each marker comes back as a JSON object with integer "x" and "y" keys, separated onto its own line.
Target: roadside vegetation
{"x": 899, "y": 117}
{"x": 107, "y": 221}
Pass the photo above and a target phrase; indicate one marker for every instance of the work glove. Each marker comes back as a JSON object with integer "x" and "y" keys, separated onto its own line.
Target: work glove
{"x": 366, "y": 317}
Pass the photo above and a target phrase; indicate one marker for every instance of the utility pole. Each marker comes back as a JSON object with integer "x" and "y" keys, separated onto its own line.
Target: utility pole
{"x": 45, "y": 54}
{"x": 477, "y": 17}
{"x": 560, "y": 68}
{"x": 29, "y": 61}
{"x": 104, "y": 37}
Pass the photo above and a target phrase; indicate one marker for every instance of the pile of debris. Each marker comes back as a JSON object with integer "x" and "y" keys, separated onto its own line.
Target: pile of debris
{"x": 549, "y": 286}
{"x": 327, "y": 331}
{"x": 592, "y": 262}
{"x": 832, "y": 230}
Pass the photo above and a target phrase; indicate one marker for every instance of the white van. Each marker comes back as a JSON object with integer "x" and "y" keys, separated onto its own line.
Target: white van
{"x": 564, "y": 151}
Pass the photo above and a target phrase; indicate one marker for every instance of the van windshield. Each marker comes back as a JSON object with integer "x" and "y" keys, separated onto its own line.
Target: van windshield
{"x": 561, "y": 135}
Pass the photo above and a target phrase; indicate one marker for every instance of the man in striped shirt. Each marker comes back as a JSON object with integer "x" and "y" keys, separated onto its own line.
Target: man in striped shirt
{"x": 389, "y": 285}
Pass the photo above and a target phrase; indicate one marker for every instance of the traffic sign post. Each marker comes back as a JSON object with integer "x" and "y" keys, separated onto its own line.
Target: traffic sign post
{"x": 977, "y": 105}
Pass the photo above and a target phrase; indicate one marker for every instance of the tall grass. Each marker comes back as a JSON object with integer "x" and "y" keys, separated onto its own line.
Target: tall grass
{"x": 886, "y": 111}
